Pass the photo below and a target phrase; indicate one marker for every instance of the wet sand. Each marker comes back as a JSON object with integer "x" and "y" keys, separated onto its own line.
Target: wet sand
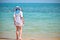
{"x": 11, "y": 36}
{"x": 32, "y": 39}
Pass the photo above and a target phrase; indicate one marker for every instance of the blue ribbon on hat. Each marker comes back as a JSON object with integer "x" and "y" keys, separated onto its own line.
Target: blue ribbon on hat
{"x": 17, "y": 11}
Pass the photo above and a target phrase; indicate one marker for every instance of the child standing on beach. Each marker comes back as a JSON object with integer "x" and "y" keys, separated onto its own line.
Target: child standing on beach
{"x": 18, "y": 21}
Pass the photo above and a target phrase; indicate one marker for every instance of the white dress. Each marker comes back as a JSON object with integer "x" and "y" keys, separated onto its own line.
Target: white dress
{"x": 18, "y": 19}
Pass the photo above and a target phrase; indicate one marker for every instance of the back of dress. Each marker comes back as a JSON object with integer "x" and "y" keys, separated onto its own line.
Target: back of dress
{"x": 18, "y": 17}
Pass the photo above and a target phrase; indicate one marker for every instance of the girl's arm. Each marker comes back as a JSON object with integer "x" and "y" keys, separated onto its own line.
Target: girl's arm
{"x": 23, "y": 20}
{"x": 14, "y": 19}
{"x": 21, "y": 13}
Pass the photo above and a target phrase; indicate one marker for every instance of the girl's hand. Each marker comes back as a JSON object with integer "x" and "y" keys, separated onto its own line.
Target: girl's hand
{"x": 23, "y": 22}
{"x": 14, "y": 22}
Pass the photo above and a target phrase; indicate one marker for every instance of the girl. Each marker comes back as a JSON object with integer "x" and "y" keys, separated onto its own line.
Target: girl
{"x": 18, "y": 21}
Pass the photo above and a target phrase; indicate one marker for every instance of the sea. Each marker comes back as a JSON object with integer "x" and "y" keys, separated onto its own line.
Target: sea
{"x": 39, "y": 18}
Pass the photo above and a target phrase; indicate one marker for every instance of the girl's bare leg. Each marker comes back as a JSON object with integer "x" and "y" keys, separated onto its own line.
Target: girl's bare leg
{"x": 17, "y": 32}
{"x": 20, "y": 34}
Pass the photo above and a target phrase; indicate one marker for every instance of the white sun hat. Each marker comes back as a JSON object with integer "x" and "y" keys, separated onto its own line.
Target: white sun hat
{"x": 17, "y": 6}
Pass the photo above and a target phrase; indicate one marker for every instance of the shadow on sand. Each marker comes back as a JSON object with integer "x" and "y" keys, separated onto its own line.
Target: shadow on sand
{"x": 7, "y": 39}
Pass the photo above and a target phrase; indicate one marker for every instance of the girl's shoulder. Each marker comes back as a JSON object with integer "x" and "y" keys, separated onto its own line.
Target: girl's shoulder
{"x": 21, "y": 12}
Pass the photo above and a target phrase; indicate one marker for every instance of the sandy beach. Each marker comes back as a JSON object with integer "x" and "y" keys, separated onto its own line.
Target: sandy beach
{"x": 11, "y": 36}
{"x": 32, "y": 39}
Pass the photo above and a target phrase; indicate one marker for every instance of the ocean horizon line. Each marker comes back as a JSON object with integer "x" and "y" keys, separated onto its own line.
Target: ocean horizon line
{"x": 38, "y": 3}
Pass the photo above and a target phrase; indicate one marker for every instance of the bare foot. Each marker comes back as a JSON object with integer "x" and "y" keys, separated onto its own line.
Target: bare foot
{"x": 20, "y": 38}
{"x": 16, "y": 39}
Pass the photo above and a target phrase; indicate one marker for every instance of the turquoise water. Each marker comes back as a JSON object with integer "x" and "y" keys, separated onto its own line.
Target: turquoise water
{"x": 39, "y": 17}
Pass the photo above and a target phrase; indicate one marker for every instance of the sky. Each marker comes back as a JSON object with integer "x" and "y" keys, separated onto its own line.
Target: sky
{"x": 29, "y": 1}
